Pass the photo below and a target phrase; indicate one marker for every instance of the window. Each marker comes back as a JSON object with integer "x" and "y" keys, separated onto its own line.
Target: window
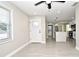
{"x": 4, "y": 23}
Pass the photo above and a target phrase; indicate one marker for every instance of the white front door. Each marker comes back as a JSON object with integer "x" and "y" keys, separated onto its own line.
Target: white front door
{"x": 35, "y": 30}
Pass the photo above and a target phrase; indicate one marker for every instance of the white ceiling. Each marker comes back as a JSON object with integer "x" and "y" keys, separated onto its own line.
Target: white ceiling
{"x": 63, "y": 11}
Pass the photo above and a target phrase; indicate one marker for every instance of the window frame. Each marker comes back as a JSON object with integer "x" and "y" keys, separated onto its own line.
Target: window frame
{"x": 10, "y": 33}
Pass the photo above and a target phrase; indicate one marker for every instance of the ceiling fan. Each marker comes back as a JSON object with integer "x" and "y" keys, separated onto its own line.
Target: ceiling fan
{"x": 48, "y": 4}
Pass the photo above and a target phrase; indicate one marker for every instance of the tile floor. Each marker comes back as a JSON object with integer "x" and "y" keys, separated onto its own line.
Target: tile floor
{"x": 50, "y": 49}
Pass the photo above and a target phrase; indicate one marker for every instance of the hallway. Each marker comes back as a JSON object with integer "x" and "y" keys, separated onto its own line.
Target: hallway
{"x": 51, "y": 49}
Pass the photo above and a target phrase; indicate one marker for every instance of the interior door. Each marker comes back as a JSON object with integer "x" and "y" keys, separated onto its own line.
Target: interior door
{"x": 35, "y": 30}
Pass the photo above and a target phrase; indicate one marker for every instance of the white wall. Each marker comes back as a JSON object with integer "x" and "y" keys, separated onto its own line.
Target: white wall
{"x": 43, "y": 19}
{"x": 72, "y": 22}
{"x": 20, "y": 31}
{"x": 77, "y": 26}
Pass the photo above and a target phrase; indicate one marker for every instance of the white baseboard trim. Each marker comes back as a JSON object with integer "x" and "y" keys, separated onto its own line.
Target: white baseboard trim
{"x": 43, "y": 42}
{"x": 38, "y": 42}
{"x": 20, "y": 48}
{"x": 77, "y": 48}
{"x": 17, "y": 50}
{"x": 60, "y": 41}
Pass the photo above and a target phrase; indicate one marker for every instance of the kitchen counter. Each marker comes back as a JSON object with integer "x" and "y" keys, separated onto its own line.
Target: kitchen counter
{"x": 61, "y": 36}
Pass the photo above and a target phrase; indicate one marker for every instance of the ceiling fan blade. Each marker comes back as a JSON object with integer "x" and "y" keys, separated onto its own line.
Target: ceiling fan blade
{"x": 39, "y": 3}
{"x": 75, "y": 3}
{"x": 60, "y": 1}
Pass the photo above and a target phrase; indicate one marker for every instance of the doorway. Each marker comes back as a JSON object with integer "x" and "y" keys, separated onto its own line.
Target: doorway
{"x": 50, "y": 34}
{"x": 35, "y": 30}
{"x": 50, "y": 31}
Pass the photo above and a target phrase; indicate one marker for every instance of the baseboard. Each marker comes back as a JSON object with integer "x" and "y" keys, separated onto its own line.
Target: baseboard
{"x": 77, "y": 48}
{"x": 60, "y": 41}
{"x": 38, "y": 42}
{"x": 43, "y": 42}
{"x": 17, "y": 50}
